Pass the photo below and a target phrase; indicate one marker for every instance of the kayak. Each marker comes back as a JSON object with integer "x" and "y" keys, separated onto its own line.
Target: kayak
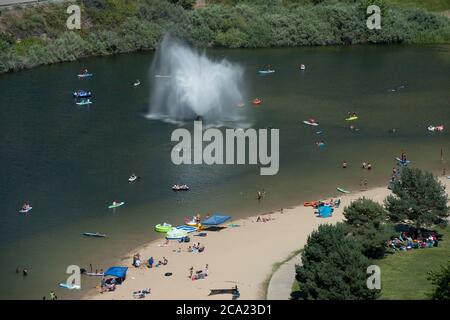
{"x": 309, "y": 123}
{"x": 132, "y": 179}
{"x": 116, "y": 205}
{"x": 342, "y": 190}
{"x": 83, "y": 103}
{"x": 25, "y": 210}
{"x": 351, "y": 118}
{"x": 310, "y": 204}
{"x": 94, "y": 234}
{"x": 85, "y": 75}
{"x": 266, "y": 71}
{"x": 404, "y": 163}
{"x": 69, "y": 286}
{"x": 136, "y": 84}
{"x": 188, "y": 229}
{"x": 163, "y": 228}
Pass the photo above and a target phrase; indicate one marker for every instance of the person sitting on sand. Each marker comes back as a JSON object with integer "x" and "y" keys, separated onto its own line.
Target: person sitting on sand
{"x": 165, "y": 261}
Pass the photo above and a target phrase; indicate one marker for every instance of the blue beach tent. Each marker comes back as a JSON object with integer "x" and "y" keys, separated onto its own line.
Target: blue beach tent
{"x": 119, "y": 272}
{"x": 215, "y": 220}
{"x": 325, "y": 211}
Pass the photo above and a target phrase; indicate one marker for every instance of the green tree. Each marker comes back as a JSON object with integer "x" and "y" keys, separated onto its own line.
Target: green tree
{"x": 418, "y": 199}
{"x": 441, "y": 281}
{"x": 366, "y": 220}
{"x": 333, "y": 267}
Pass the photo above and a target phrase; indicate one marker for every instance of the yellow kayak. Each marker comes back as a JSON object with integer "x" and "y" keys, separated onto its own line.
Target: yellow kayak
{"x": 352, "y": 118}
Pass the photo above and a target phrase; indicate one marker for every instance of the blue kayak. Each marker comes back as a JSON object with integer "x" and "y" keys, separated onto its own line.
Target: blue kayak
{"x": 403, "y": 162}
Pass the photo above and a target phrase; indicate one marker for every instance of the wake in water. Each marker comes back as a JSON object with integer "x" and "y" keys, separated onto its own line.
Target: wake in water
{"x": 187, "y": 85}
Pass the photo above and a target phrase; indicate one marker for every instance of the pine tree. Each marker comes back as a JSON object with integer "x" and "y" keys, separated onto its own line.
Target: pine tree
{"x": 418, "y": 199}
{"x": 333, "y": 267}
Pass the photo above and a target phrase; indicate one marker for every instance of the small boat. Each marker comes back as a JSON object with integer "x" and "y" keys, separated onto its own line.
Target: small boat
{"x": 137, "y": 83}
{"x": 179, "y": 187}
{"x": 163, "y": 228}
{"x": 352, "y": 118}
{"x": 266, "y": 71}
{"x": 176, "y": 234}
{"x": 116, "y": 205}
{"x": 311, "y": 122}
{"x": 69, "y": 286}
{"x": 257, "y": 101}
{"x": 82, "y": 94}
{"x": 84, "y": 102}
{"x": 302, "y": 67}
{"x": 94, "y": 234}
{"x": 436, "y": 128}
{"x": 342, "y": 190}
{"x": 85, "y": 75}
{"x": 25, "y": 210}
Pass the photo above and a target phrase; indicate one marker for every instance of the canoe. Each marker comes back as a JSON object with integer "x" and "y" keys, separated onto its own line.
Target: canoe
{"x": 351, "y": 118}
{"x": 266, "y": 71}
{"x": 163, "y": 228}
{"x": 69, "y": 286}
{"x": 26, "y": 210}
{"x": 94, "y": 234}
{"x": 116, "y": 205}
{"x": 342, "y": 190}
{"x": 309, "y": 123}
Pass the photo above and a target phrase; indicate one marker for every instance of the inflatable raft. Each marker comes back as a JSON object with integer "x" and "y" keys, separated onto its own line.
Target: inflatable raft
{"x": 163, "y": 228}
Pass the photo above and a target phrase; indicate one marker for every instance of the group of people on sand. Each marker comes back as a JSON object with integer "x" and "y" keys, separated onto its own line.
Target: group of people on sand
{"x": 406, "y": 242}
{"x": 196, "y": 248}
{"x": 200, "y": 274}
{"x": 150, "y": 262}
{"x": 334, "y": 203}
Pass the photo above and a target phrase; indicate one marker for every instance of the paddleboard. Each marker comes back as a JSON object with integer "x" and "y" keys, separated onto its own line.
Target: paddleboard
{"x": 116, "y": 205}
{"x": 94, "y": 234}
{"x": 26, "y": 211}
{"x": 266, "y": 71}
{"x": 351, "y": 118}
{"x": 342, "y": 190}
{"x": 310, "y": 123}
{"x": 85, "y": 75}
{"x": 69, "y": 286}
{"x": 84, "y": 103}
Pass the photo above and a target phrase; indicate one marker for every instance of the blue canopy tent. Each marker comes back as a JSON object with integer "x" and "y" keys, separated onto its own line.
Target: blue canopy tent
{"x": 215, "y": 220}
{"x": 325, "y": 211}
{"x": 119, "y": 272}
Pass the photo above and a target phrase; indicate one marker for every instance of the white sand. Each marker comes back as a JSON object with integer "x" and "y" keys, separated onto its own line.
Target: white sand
{"x": 242, "y": 256}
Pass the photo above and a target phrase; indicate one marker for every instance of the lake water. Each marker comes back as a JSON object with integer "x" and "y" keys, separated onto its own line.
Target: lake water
{"x": 70, "y": 162}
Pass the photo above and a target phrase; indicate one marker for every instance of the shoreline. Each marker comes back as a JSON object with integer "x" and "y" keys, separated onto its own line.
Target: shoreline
{"x": 254, "y": 264}
{"x": 286, "y": 233}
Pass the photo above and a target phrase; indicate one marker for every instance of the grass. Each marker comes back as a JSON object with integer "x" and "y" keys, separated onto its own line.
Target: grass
{"x": 404, "y": 274}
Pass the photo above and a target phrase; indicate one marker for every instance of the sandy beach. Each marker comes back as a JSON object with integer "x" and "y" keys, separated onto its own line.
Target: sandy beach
{"x": 242, "y": 256}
